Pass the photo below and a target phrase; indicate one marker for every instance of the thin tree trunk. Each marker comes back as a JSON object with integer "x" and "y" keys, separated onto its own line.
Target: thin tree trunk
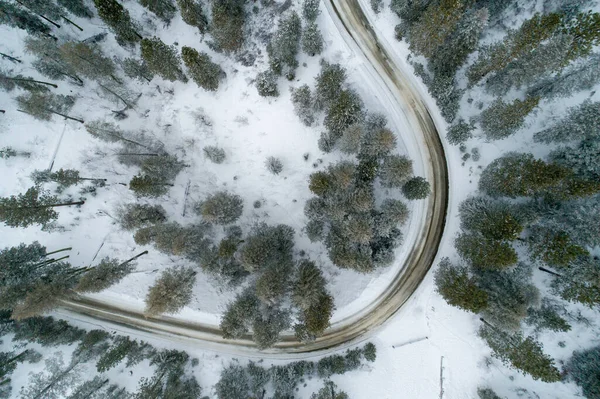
{"x": 49, "y": 262}
{"x": 59, "y": 250}
{"x": 498, "y": 331}
{"x": 72, "y": 23}
{"x": 39, "y": 15}
{"x": 60, "y": 377}
{"x": 140, "y": 154}
{"x": 66, "y": 116}
{"x": 50, "y": 206}
{"x": 116, "y": 95}
{"x": 32, "y": 81}
{"x": 3, "y": 111}
{"x": 100, "y": 386}
{"x": 134, "y": 258}
{"x": 11, "y": 58}
{"x": 549, "y": 271}
{"x": 15, "y": 358}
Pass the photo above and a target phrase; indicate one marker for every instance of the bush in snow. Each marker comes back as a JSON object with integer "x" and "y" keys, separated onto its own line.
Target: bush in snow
{"x": 133, "y": 216}
{"x": 274, "y": 165}
{"x": 221, "y": 208}
{"x": 487, "y": 393}
{"x": 266, "y": 84}
{"x": 214, "y": 153}
{"x": 376, "y": 5}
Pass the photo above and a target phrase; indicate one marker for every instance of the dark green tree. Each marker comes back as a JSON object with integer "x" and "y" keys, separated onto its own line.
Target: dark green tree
{"x": 329, "y": 391}
{"x": 17, "y": 17}
{"x": 485, "y": 253}
{"x": 221, "y": 208}
{"x": 106, "y": 273}
{"x": 579, "y": 282}
{"x": 416, "y": 188}
{"x": 583, "y": 369}
{"x": 303, "y": 104}
{"x": 132, "y": 216}
{"x": 345, "y": 110}
{"x": 329, "y": 84}
{"x": 501, "y": 120}
{"x": 227, "y": 24}
{"x": 202, "y": 70}
{"x": 148, "y": 186}
{"x": 162, "y": 59}
{"x": 310, "y": 10}
{"x": 42, "y": 105}
{"x": 171, "y": 291}
{"x": 164, "y": 9}
{"x": 458, "y": 288}
{"x": 192, "y": 14}
{"x": 284, "y": 46}
{"x": 395, "y": 171}
{"x": 312, "y": 40}
{"x": 495, "y": 220}
{"x": 266, "y": 84}
{"x": 119, "y": 21}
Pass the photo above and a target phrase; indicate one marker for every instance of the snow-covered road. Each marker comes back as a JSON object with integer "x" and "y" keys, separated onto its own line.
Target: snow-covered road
{"x": 406, "y": 102}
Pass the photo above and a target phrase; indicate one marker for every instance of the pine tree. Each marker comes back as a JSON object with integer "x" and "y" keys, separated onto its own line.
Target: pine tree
{"x": 53, "y": 382}
{"x": 436, "y": 24}
{"x": 485, "y": 253}
{"x": 547, "y": 317}
{"x": 416, "y": 188}
{"x": 459, "y": 289}
{"x": 378, "y": 143}
{"x": 309, "y": 285}
{"x": 310, "y": 10}
{"x": 119, "y": 21}
{"x": 345, "y": 110}
{"x": 583, "y": 369}
{"x": 312, "y": 40}
{"x": 395, "y": 171}
{"x": 133, "y": 216}
{"x": 148, "y": 186}
{"x": 501, "y": 120}
{"x": 516, "y": 44}
{"x": 77, "y": 7}
{"x": 214, "y": 154}
{"x": 584, "y": 28}
{"x": 233, "y": 383}
{"x": 451, "y": 55}
{"x": 90, "y": 389}
{"x": 64, "y": 177}
{"x": 579, "y": 283}
{"x": 316, "y": 318}
{"x": 9, "y": 83}
{"x": 329, "y": 391}
{"x": 459, "y": 132}
{"x": 526, "y": 355}
{"x": 122, "y": 347}
{"x": 267, "y": 244}
{"x": 581, "y": 122}
{"x": 33, "y": 207}
{"x": 393, "y": 213}
{"x": 192, "y": 14}
{"x": 202, "y": 70}
{"x": 583, "y": 159}
{"x": 240, "y": 314}
{"x": 106, "y": 273}
{"x": 162, "y": 59}
{"x": 302, "y": 101}
{"x": 14, "y": 16}
{"x": 351, "y": 139}
{"x": 580, "y": 76}
{"x": 284, "y": 46}
{"x": 409, "y": 11}
{"x": 88, "y": 60}
{"x": 164, "y": 167}
{"x": 554, "y": 248}
{"x": 42, "y": 105}
{"x": 221, "y": 208}
{"x": 518, "y": 175}
{"x": 495, "y": 220}
{"x": 164, "y": 9}
{"x": 487, "y": 393}
{"x": 109, "y": 132}
{"x": 329, "y": 84}
{"x": 169, "y": 379}
{"x": 48, "y": 11}
{"x": 50, "y": 62}
{"x": 228, "y": 18}
{"x": 137, "y": 69}
{"x": 171, "y": 291}
{"x": 267, "y": 327}
{"x": 266, "y": 84}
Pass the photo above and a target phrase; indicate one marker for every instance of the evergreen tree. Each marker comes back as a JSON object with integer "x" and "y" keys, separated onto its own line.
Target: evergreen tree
{"x": 451, "y": 55}
{"x": 554, "y": 248}
{"x": 133, "y": 216}
{"x": 583, "y": 159}
{"x": 48, "y": 11}
{"x": 581, "y": 122}
{"x": 516, "y": 44}
{"x": 266, "y": 245}
{"x": 164, "y": 9}
{"x": 148, "y": 186}
{"x": 315, "y": 319}
{"x": 273, "y": 282}
{"x": 267, "y": 327}
{"x": 109, "y": 132}
{"x": 351, "y": 139}
{"x": 312, "y": 40}
{"x": 284, "y": 46}
{"x": 50, "y": 61}
{"x": 376, "y": 6}
{"x": 192, "y": 14}
{"x": 344, "y": 111}
{"x": 274, "y": 165}
{"x": 119, "y": 21}
{"x": 517, "y": 175}
{"x": 33, "y": 207}
{"x": 329, "y": 84}
{"x": 171, "y": 291}
{"x": 547, "y": 317}
{"x": 221, "y": 208}
{"x": 47, "y": 331}
{"x": 266, "y": 84}
{"x": 53, "y": 382}
{"x": 310, "y": 10}
{"x": 436, "y": 24}
{"x": 584, "y": 28}
{"x": 501, "y": 120}
{"x": 303, "y": 104}
{"x": 163, "y": 167}
{"x": 495, "y": 220}
{"x": 9, "y": 83}
{"x": 106, "y": 273}
{"x": 416, "y": 188}
{"x": 14, "y": 16}
{"x": 579, "y": 283}
{"x": 580, "y": 76}
{"x": 378, "y": 143}
{"x": 63, "y": 177}
{"x": 526, "y": 355}
{"x": 409, "y": 11}
{"x": 459, "y": 132}
{"x": 233, "y": 383}
{"x": 395, "y": 171}
{"x": 485, "y": 253}
{"x": 583, "y": 369}
{"x": 122, "y": 347}
{"x": 162, "y": 59}
{"x": 228, "y": 18}
{"x": 77, "y": 7}
{"x": 458, "y": 288}
{"x": 169, "y": 379}
{"x": 137, "y": 69}
{"x": 392, "y": 213}
{"x": 214, "y": 153}
{"x": 42, "y": 105}
{"x": 329, "y": 391}
{"x": 240, "y": 315}
{"x": 309, "y": 285}
{"x": 91, "y": 389}
{"x": 487, "y": 393}
{"x": 203, "y": 71}
{"x": 88, "y": 60}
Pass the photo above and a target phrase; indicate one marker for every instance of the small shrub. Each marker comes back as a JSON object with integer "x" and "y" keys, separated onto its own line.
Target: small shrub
{"x": 214, "y": 153}
{"x": 274, "y": 165}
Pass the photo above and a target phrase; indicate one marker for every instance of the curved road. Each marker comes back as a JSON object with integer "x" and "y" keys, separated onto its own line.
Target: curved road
{"x": 349, "y": 15}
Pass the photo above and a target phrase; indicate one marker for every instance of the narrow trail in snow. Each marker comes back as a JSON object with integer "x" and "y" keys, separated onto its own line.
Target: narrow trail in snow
{"x": 347, "y": 15}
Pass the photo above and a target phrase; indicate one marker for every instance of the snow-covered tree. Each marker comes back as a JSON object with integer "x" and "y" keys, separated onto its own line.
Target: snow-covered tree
{"x": 240, "y": 315}
{"x": 495, "y": 220}
{"x": 171, "y": 291}
{"x": 459, "y": 132}
{"x": 192, "y": 14}
{"x": 42, "y": 105}
{"x": 274, "y": 165}
{"x": 310, "y": 10}
{"x": 137, "y": 69}
{"x": 547, "y": 317}
{"x": 485, "y": 253}
{"x": 501, "y": 119}
{"x": 106, "y": 273}
{"x": 123, "y": 347}
{"x": 77, "y": 7}
{"x": 580, "y": 76}
{"x": 214, "y": 153}
{"x": 266, "y": 84}
{"x": 351, "y": 139}
{"x": 581, "y": 122}
{"x": 119, "y": 21}
{"x": 221, "y": 208}
{"x": 50, "y": 61}
{"x": 555, "y": 248}
{"x": 54, "y": 381}
{"x": 583, "y": 159}
{"x": 267, "y": 244}
{"x": 227, "y": 24}
{"x": 583, "y": 369}
{"x": 309, "y": 285}
{"x": 458, "y": 288}
{"x": 132, "y": 216}
{"x": 91, "y": 389}
{"x": 329, "y": 84}
{"x": 267, "y": 327}
{"x": 345, "y": 110}
{"x": 33, "y": 207}
{"x": 162, "y": 59}
{"x": 88, "y": 60}
{"x": 579, "y": 282}
{"x": 416, "y": 188}
{"x": 148, "y": 186}
{"x": 233, "y": 383}
{"x": 9, "y": 83}
{"x": 395, "y": 170}
{"x": 409, "y": 11}
{"x": 312, "y": 40}
{"x": 284, "y": 46}
{"x": 169, "y": 379}
{"x": 202, "y": 70}
{"x": 378, "y": 143}
{"x": 303, "y": 103}
{"x": 164, "y": 9}
{"x": 14, "y": 16}
{"x": 329, "y": 391}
